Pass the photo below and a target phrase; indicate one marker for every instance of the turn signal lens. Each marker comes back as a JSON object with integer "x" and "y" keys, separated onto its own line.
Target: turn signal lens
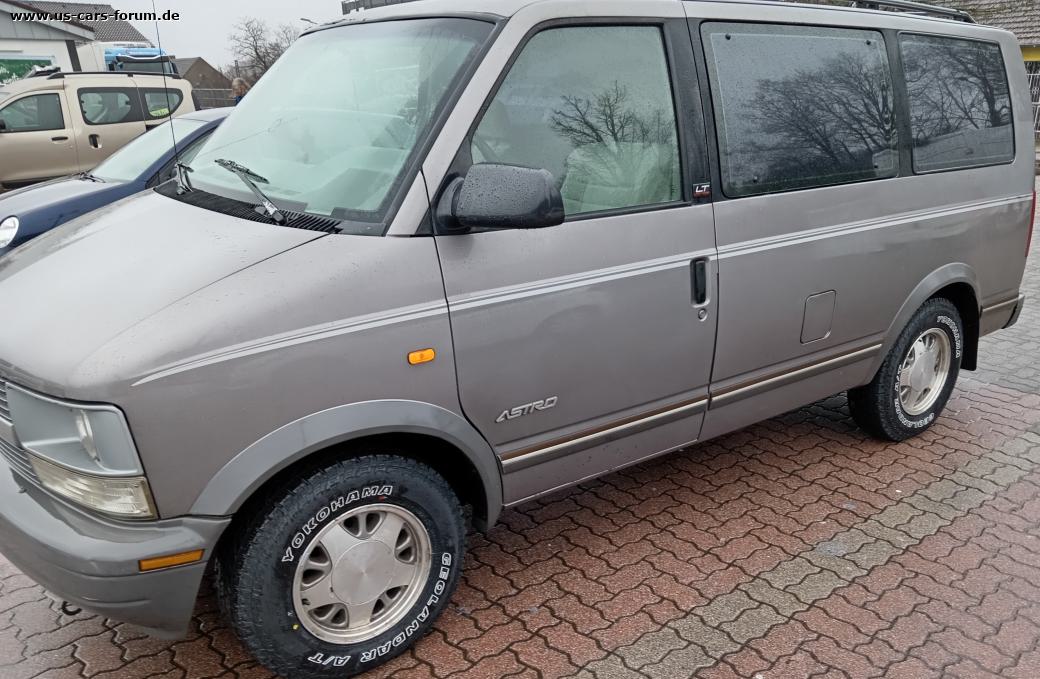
{"x": 421, "y": 356}
{"x": 182, "y": 559}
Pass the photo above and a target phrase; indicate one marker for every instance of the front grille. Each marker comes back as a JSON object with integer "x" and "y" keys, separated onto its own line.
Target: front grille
{"x": 5, "y": 412}
{"x": 18, "y": 459}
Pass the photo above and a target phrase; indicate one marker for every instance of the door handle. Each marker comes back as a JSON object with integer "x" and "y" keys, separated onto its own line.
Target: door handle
{"x": 59, "y": 138}
{"x": 95, "y": 141}
{"x": 699, "y": 280}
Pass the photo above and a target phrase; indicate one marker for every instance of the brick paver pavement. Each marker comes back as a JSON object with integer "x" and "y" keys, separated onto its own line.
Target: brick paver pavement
{"x": 795, "y": 548}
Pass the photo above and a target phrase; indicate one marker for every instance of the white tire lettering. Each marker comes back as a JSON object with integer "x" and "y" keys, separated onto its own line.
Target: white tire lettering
{"x": 956, "y": 331}
{"x": 413, "y": 626}
{"x": 322, "y": 515}
{"x": 329, "y": 660}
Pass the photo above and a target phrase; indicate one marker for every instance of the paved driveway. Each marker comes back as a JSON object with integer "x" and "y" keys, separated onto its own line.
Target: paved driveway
{"x": 794, "y": 548}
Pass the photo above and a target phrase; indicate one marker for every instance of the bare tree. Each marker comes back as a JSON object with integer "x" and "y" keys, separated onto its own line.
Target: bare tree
{"x": 608, "y": 118}
{"x": 841, "y": 113}
{"x": 256, "y": 46}
{"x": 955, "y": 86}
{"x": 616, "y": 143}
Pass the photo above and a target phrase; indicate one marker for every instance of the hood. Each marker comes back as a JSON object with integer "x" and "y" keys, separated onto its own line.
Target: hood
{"x": 42, "y": 206}
{"x": 25, "y": 200}
{"x": 68, "y": 293}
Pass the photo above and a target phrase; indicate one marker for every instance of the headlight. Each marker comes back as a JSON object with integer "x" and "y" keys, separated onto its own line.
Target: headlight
{"x": 82, "y": 452}
{"x": 8, "y": 231}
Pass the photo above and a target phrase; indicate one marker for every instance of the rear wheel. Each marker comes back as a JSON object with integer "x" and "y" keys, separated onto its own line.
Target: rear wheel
{"x": 346, "y": 568}
{"x": 914, "y": 382}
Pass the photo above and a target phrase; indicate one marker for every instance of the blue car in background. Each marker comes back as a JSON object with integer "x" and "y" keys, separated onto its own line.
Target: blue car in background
{"x": 143, "y": 163}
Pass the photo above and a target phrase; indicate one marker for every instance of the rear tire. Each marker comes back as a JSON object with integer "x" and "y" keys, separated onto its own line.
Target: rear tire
{"x": 911, "y": 388}
{"x": 345, "y": 568}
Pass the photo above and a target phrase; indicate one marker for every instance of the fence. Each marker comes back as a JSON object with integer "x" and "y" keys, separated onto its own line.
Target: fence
{"x": 207, "y": 98}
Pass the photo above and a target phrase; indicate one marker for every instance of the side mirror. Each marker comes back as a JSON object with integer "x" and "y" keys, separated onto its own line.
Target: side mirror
{"x": 501, "y": 197}
{"x": 3, "y": 125}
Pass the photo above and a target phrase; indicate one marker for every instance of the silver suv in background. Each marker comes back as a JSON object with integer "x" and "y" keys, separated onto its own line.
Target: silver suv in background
{"x": 463, "y": 253}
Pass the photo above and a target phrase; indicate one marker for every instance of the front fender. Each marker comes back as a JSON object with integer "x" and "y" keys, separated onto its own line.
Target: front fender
{"x": 246, "y": 472}
{"x": 957, "y": 272}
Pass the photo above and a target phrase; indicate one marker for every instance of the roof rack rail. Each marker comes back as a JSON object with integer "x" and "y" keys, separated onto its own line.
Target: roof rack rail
{"x": 41, "y": 72}
{"x": 130, "y": 74}
{"x": 916, "y": 8}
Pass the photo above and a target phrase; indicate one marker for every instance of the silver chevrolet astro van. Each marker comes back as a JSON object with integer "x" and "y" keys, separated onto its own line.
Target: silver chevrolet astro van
{"x": 463, "y": 253}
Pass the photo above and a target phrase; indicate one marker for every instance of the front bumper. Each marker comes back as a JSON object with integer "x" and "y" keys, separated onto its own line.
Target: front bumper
{"x": 93, "y": 563}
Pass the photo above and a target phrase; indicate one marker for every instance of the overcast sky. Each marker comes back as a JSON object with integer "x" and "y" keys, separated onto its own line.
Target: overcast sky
{"x": 204, "y": 25}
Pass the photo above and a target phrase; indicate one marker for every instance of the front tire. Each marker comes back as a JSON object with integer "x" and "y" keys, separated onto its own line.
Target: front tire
{"x": 346, "y": 567}
{"x": 915, "y": 380}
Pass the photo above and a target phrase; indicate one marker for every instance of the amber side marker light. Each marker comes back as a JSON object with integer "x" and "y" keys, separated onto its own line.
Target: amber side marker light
{"x": 169, "y": 561}
{"x": 421, "y": 356}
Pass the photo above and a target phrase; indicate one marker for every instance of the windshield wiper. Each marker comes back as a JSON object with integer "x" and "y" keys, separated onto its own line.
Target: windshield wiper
{"x": 250, "y": 179}
{"x": 183, "y": 181}
{"x": 89, "y": 177}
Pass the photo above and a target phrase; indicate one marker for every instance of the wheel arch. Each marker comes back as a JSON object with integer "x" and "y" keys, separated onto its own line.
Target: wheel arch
{"x": 956, "y": 282}
{"x": 420, "y": 431}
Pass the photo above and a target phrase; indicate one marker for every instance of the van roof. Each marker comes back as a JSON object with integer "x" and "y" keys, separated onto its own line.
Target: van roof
{"x": 43, "y": 84}
{"x": 909, "y": 9}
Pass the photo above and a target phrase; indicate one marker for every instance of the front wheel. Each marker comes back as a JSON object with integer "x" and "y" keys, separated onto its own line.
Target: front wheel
{"x": 346, "y": 568}
{"x": 915, "y": 380}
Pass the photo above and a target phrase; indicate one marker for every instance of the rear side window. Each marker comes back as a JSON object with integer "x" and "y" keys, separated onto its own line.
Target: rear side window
{"x": 33, "y": 114}
{"x": 593, "y": 105}
{"x": 109, "y": 105}
{"x": 800, "y": 106}
{"x": 960, "y": 107}
{"x": 160, "y": 103}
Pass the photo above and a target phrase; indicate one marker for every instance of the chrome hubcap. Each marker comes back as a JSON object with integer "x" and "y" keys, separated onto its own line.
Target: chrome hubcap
{"x": 922, "y": 375}
{"x": 362, "y": 573}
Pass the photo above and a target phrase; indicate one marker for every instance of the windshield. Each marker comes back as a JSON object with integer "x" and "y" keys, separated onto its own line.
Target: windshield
{"x": 334, "y": 123}
{"x": 144, "y": 67}
{"x": 129, "y": 162}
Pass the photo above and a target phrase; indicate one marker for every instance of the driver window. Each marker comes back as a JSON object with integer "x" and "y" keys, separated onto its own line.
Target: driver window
{"x": 593, "y": 105}
{"x": 33, "y": 114}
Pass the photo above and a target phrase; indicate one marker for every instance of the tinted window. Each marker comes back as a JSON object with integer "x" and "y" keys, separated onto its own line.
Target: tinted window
{"x": 593, "y": 105}
{"x": 106, "y": 106}
{"x": 960, "y": 108}
{"x": 160, "y": 103}
{"x": 32, "y": 114}
{"x": 799, "y": 106}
